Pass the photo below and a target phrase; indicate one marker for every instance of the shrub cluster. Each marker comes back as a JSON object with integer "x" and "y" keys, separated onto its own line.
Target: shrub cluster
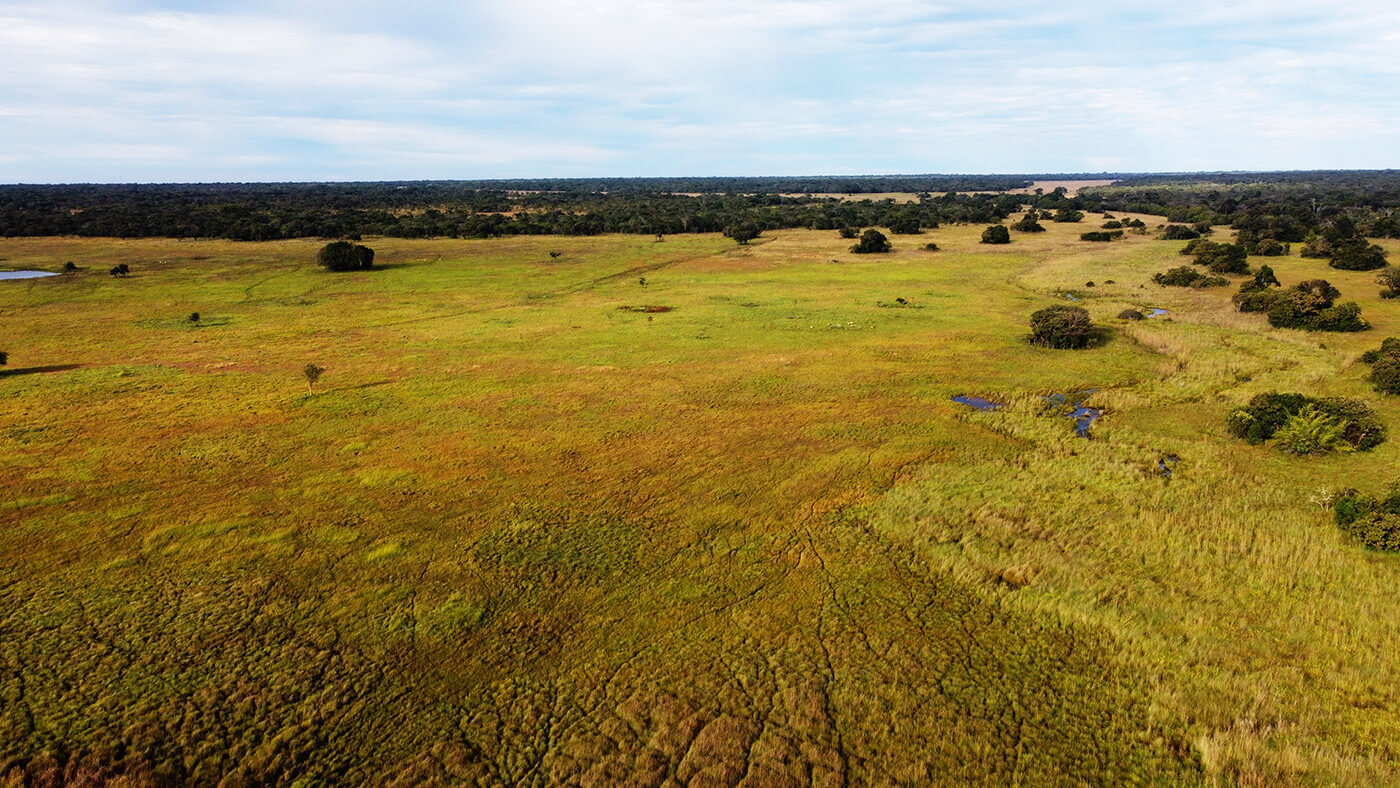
{"x": 1179, "y": 232}
{"x": 1219, "y": 258}
{"x": 1063, "y": 327}
{"x": 1186, "y": 276}
{"x": 996, "y": 234}
{"x": 1067, "y": 215}
{"x": 872, "y": 241}
{"x": 1130, "y": 314}
{"x": 1375, "y": 522}
{"x": 1385, "y": 366}
{"x": 1389, "y": 280}
{"x": 345, "y": 256}
{"x": 1101, "y": 235}
{"x": 1308, "y": 425}
{"x": 1028, "y": 223}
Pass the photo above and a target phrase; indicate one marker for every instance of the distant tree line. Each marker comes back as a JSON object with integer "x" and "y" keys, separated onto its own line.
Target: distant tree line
{"x": 1269, "y": 209}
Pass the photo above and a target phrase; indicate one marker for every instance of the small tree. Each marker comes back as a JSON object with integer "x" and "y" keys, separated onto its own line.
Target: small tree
{"x": 1028, "y": 223}
{"x": 1389, "y": 280}
{"x": 1062, "y": 326}
{"x": 313, "y": 374}
{"x": 996, "y": 234}
{"x": 555, "y": 255}
{"x": 194, "y": 318}
{"x": 345, "y": 256}
{"x": 4, "y": 358}
{"x": 872, "y": 241}
{"x": 742, "y": 233}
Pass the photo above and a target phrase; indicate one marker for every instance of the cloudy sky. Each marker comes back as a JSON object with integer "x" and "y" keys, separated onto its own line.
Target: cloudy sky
{"x": 263, "y": 90}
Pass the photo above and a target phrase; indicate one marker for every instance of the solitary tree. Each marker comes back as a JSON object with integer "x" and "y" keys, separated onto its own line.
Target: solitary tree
{"x": 872, "y": 241}
{"x": 742, "y": 233}
{"x": 345, "y": 256}
{"x": 4, "y": 358}
{"x": 555, "y": 255}
{"x": 996, "y": 234}
{"x": 1062, "y": 326}
{"x": 312, "y": 373}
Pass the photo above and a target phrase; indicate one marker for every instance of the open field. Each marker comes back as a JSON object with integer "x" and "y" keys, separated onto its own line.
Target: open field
{"x": 527, "y": 532}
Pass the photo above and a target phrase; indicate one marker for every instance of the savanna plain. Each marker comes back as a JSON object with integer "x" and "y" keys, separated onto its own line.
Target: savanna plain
{"x": 675, "y": 511}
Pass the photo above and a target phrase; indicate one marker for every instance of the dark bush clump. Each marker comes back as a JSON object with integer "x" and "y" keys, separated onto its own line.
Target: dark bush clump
{"x": 1385, "y": 366}
{"x": 1268, "y": 247}
{"x": 1186, "y": 276}
{"x": 1067, "y": 215}
{"x": 1221, "y": 258}
{"x": 1112, "y": 224}
{"x": 872, "y": 241}
{"x": 1130, "y": 314}
{"x": 1374, "y": 522}
{"x": 345, "y": 256}
{"x": 1179, "y": 232}
{"x": 996, "y": 234}
{"x": 1307, "y": 305}
{"x": 1101, "y": 235}
{"x": 1307, "y": 425}
{"x": 1355, "y": 254}
{"x": 1062, "y": 327}
{"x": 849, "y": 232}
{"x": 1028, "y": 223}
{"x": 1389, "y": 280}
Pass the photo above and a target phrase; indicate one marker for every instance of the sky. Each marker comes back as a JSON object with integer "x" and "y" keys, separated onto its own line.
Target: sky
{"x": 104, "y": 91}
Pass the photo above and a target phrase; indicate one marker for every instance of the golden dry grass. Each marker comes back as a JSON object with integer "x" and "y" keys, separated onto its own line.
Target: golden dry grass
{"x": 523, "y": 533}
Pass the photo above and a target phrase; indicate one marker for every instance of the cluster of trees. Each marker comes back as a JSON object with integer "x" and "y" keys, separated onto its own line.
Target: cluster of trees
{"x": 120, "y": 270}
{"x": 1344, "y": 247}
{"x": 1301, "y": 424}
{"x": 1029, "y": 223}
{"x": 1217, "y": 257}
{"x": 1186, "y": 276}
{"x": 1063, "y": 327}
{"x": 1309, "y": 305}
{"x": 1101, "y": 235}
{"x": 486, "y": 209}
{"x": 1279, "y": 206}
{"x": 345, "y": 256}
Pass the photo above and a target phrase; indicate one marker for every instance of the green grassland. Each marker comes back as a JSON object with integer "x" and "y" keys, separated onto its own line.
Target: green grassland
{"x": 526, "y": 532}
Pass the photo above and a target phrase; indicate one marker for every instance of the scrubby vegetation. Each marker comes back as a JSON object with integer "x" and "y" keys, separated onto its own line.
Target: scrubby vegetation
{"x": 1301, "y": 424}
{"x": 1186, "y": 276}
{"x": 1219, "y": 258}
{"x": 1063, "y": 327}
{"x": 1100, "y": 235}
{"x": 996, "y": 234}
{"x": 872, "y": 241}
{"x": 1029, "y": 223}
{"x": 1374, "y": 522}
{"x": 1385, "y": 366}
{"x": 343, "y": 256}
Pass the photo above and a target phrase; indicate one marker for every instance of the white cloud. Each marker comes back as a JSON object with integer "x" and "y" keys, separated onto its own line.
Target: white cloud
{"x": 538, "y": 87}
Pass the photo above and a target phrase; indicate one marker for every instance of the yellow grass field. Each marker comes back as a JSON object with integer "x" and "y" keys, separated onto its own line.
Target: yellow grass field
{"x": 674, "y": 512}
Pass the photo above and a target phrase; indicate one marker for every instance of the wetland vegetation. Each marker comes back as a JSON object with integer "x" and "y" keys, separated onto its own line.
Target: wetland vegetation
{"x": 620, "y": 508}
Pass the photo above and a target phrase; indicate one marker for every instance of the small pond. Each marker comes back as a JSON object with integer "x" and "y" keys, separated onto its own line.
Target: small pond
{"x": 1075, "y": 408}
{"x": 24, "y": 274}
{"x": 1166, "y": 464}
{"x": 1153, "y": 311}
{"x": 977, "y": 402}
